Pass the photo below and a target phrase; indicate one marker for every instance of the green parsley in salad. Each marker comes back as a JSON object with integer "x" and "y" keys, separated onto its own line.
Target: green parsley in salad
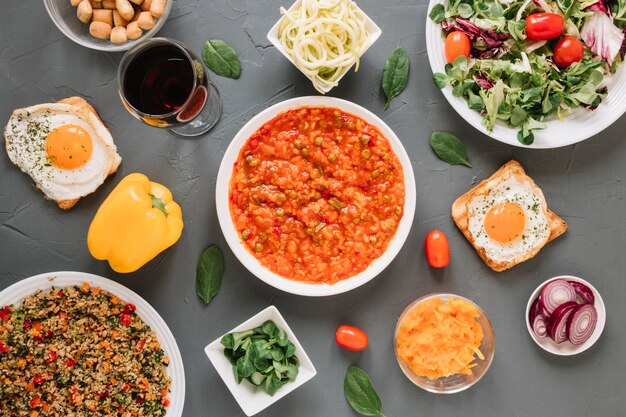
{"x": 530, "y": 60}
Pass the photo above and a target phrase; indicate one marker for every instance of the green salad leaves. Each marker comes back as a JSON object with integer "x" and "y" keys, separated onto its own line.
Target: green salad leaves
{"x": 263, "y": 355}
{"x": 513, "y": 79}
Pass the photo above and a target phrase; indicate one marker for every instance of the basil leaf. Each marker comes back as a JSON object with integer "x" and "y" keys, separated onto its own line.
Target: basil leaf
{"x": 360, "y": 394}
{"x": 209, "y": 273}
{"x": 221, "y": 58}
{"x": 449, "y": 148}
{"x": 395, "y": 74}
{"x": 437, "y": 13}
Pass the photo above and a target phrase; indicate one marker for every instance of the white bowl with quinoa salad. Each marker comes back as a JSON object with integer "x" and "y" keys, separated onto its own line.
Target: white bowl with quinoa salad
{"x": 76, "y": 344}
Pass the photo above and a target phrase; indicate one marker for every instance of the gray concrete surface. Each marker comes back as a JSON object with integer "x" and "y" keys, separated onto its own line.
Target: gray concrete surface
{"x": 583, "y": 183}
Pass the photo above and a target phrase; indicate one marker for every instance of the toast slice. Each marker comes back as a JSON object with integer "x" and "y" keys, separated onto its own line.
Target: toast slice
{"x": 461, "y": 215}
{"x": 80, "y": 105}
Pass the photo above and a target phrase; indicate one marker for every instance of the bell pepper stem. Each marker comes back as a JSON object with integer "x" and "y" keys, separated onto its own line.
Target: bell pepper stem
{"x": 158, "y": 203}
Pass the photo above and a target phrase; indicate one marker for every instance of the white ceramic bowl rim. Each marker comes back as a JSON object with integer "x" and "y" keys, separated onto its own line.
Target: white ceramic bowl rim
{"x": 580, "y": 125}
{"x": 14, "y": 294}
{"x": 108, "y": 47}
{"x": 566, "y": 348}
{"x": 249, "y": 261}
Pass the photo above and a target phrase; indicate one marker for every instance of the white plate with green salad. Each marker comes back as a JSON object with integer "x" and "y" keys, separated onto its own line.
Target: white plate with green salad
{"x": 531, "y": 73}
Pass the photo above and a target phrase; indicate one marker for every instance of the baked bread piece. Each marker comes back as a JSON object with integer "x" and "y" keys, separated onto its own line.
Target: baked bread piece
{"x": 461, "y": 216}
{"x": 26, "y": 135}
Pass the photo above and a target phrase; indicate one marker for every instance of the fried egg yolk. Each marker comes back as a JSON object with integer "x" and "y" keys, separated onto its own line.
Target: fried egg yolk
{"x": 69, "y": 146}
{"x": 505, "y": 222}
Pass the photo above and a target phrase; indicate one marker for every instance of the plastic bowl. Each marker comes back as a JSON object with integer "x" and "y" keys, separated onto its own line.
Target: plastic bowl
{"x": 63, "y": 14}
{"x": 453, "y": 383}
{"x": 233, "y": 237}
{"x": 566, "y": 348}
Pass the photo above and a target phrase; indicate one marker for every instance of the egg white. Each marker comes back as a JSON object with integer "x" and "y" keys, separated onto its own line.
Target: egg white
{"x": 530, "y": 198}
{"x": 26, "y": 134}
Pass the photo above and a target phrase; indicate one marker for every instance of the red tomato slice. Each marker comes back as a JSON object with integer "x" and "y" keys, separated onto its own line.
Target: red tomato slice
{"x": 543, "y": 26}
{"x": 437, "y": 249}
{"x": 351, "y": 338}
{"x": 568, "y": 51}
{"x": 457, "y": 44}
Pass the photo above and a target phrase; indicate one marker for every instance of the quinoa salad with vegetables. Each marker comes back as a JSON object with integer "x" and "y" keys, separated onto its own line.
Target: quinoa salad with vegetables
{"x": 79, "y": 351}
{"x": 524, "y": 61}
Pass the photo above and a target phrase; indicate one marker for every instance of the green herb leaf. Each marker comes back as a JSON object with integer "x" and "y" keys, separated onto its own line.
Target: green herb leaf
{"x": 437, "y": 13}
{"x": 360, "y": 394}
{"x": 449, "y": 148}
{"x": 209, "y": 273}
{"x": 221, "y": 58}
{"x": 395, "y": 74}
{"x": 440, "y": 79}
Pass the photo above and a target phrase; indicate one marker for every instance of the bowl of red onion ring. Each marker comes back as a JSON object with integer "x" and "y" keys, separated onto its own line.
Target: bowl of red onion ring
{"x": 565, "y": 315}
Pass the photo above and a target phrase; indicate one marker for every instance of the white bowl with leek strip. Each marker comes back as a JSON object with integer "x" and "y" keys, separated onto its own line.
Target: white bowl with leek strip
{"x": 324, "y": 38}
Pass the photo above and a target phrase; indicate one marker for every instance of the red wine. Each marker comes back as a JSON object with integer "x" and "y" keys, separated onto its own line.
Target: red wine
{"x": 159, "y": 80}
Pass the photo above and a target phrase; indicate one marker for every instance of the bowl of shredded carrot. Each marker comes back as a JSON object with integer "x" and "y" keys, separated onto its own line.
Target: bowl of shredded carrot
{"x": 444, "y": 343}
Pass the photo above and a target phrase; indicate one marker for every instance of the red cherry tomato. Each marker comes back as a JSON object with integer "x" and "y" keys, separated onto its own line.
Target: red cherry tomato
{"x": 543, "y": 26}
{"x": 568, "y": 51}
{"x": 437, "y": 249}
{"x": 4, "y": 348}
{"x": 351, "y": 338}
{"x": 125, "y": 319}
{"x": 457, "y": 44}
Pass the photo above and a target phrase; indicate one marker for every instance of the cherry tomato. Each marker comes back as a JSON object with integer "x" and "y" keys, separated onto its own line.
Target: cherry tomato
{"x": 543, "y": 26}
{"x": 4, "y": 312}
{"x": 34, "y": 402}
{"x": 457, "y": 44}
{"x": 4, "y": 348}
{"x": 351, "y": 338}
{"x": 437, "y": 249}
{"x": 52, "y": 356}
{"x": 125, "y": 319}
{"x": 568, "y": 51}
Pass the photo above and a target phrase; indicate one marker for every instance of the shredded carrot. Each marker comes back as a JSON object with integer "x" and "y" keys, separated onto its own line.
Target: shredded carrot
{"x": 440, "y": 338}
{"x": 85, "y": 287}
{"x": 115, "y": 333}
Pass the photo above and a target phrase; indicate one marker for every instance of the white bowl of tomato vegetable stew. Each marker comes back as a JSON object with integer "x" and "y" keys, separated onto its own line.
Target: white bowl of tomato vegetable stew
{"x": 315, "y": 196}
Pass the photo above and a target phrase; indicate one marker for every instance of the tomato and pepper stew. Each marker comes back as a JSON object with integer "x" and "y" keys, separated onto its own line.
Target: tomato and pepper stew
{"x": 317, "y": 194}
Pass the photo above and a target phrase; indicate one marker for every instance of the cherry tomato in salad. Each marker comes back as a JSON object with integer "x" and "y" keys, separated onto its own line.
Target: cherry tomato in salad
{"x": 351, "y": 338}
{"x": 543, "y": 26}
{"x": 457, "y": 44}
{"x": 437, "y": 249}
{"x": 568, "y": 51}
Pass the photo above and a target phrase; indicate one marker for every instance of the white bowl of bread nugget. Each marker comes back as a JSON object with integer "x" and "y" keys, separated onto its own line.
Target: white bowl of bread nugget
{"x": 108, "y": 25}
{"x": 65, "y": 168}
{"x": 506, "y": 218}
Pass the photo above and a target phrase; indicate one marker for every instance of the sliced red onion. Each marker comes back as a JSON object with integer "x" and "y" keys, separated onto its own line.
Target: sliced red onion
{"x": 555, "y": 293}
{"x": 539, "y": 327}
{"x": 583, "y": 291}
{"x": 535, "y": 309}
{"x": 581, "y": 323}
{"x": 558, "y": 321}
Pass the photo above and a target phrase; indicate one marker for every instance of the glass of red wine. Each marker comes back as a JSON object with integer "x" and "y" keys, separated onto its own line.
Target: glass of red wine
{"x": 164, "y": 84}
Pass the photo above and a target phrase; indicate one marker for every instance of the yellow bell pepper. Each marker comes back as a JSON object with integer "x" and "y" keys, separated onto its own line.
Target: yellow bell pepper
{"x": 136, "y": 222}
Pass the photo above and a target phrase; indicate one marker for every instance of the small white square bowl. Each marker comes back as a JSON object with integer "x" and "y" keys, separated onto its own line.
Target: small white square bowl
{"x": 251, "y": 399}
{"x": 370, "y": 26}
